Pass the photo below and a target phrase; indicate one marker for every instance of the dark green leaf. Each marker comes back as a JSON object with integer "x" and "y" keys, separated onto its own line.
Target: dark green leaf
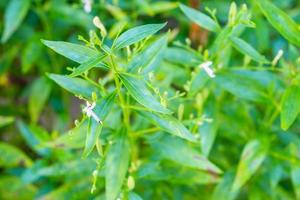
{"x": 137, "y": 88}
{"x": 75, "y": 52}
{"x": 136, "y": 34}
{"x": 14, "y": 14}
{"x": 117, "y": 162}
{"x": 247, "y": 49}
{"x": 290, "y": 106}
{"x": 77, "y": 86}
{"x": 199, "y": 18}
{"x": 280, "y": 21}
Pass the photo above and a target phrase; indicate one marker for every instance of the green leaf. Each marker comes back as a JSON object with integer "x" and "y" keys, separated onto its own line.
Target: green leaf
{"x": 6, "y": 120}
{"x": 15, "y": 12}
{"x": 34, "y": 136}
{"x": 11, "y": 156}
{"x": 39, "y": 94}
{"x": 136, "y": 34}
{"x": 75, "y": 52}
{"x": 200, "y": 18}
{"x": 134, "y": 196}
{"x": 241, "y": 86}
{"x": 280, "y": 21}
{"x": 89, "y": 64}
{"x": 30, "y": 55}
{"x": 149, "y": 56}
{"x": 117, "y": 162}
{"x": 290, "y": 106}
{"x": 77, "y": 86}
{"x": 137, "y": 88}
{"x": 94, "y": 129}
{"x": 247, "y": 49}
{"x": 170, "y": 125}
{"x": 177, "y": 150}
{"x": 253, "y": 155}
{"x": 295, "y": 176}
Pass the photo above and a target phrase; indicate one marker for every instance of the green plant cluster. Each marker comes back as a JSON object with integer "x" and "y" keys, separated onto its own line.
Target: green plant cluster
{"x": 135, "y": 108}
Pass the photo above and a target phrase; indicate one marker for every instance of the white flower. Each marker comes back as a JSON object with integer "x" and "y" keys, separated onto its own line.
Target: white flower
{"x": 277, "y": 57}
{"x": 89, "y": 111}
{"x": 87, "y": 5}
{"x": 97, "y": 22}
{"x": 206, "y": 66}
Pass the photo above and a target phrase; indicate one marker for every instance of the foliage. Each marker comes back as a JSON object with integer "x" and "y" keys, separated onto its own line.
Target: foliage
{"x": 158, "y": 114}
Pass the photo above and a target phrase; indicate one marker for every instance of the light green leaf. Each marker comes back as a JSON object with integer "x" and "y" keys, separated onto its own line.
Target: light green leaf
{"x": 77, "y": 86}
{"x": 247, "y": 49}
{"x": 280, "y": 21}
{"x": 290, "y": 106}
{"x": 200, "y": 18}
{"x": 91, "y": 63}
{"x": 295, "y": 176}
{"x": 149, "y": 56}
{"x": 179, "y": 151}
{"x": 170, "y": 125}
{"x": 134, "y": 196}
{"x": 241, "y": 86}
{"x": 136, "y": 34}
{"x": 14, "y": 14}
{"x": 39, "y": 94}
{"x": 94, "y": 129}
{"x": 11, "y": 156}
{"x": 253, "y": 155}
{"x": 182, "y": 56}
{"x": 75, "y": 52}
{"x": 137, "y": 88}
{"x": 6, "y": 120}
{"x": 117, "y": 162}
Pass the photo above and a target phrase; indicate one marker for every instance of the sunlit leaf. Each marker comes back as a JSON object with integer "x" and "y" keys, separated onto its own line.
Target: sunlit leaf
{"x": 137, "y": 88}
{"x": 75, "y": 52}
{"x": 136, "y": 34}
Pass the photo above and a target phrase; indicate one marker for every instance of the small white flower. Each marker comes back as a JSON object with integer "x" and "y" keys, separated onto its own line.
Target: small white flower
{"x": 98, "y": 23}
{"x": 277, "y": 57}
{"x": 90, "y": 113}
{"x": 206, "y": 66}
{"x": 87, "y": 5}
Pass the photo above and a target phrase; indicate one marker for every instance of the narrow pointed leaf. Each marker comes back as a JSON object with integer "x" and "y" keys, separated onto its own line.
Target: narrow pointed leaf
{"x": 253, "y": 155}
{"x": 200, "y": 18}
{"x": 280, "y": 21}
{"x": 77, "y": 86}
{"x": 75, "y": 52}
{"x": 136, "y": 34}
{"x": 247, "y": 49}
{"x": 89, "y": 64}
{"x": 14, "y": 14}
{"x": 290, "y": 106}
{"x": 117, "y": 162}
{"x": 147, "y": 57}
{"x": 179, "y": 151}
{"x": 170, "y": 125}
{"x": 137, "y": 88}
